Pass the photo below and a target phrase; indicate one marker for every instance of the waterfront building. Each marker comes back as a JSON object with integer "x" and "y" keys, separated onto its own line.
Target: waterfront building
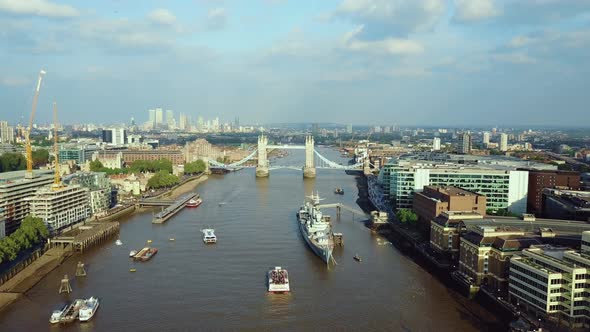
{"x": 434, "y": 200}
{"x": 14, "y": 190}
{"x": 99, "y": 187}
{"x": 129, "y": 156}
{"x": 60, "y": 207}
{"x": 436, "y": 144}
{"x": 553, "y": 282}
{"x": 445, "y": 231}
{"x": 566, "y": 204}
{"x": 464, "y": 146}
{"x": 475, "y": 247}
{"x": 504, "y": 188}
{"x": 541, "y": 179}
{"x": 503, "y": 142}
{"x": 503, "y": 249}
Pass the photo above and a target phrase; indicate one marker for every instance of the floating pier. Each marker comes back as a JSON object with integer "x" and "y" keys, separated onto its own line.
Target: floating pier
{"x": 80, "y": 271}
{"x": 86, "y": 236}
{"x": 171, "y": 210}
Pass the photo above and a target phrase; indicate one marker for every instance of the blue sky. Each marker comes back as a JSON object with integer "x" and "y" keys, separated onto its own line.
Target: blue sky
{"x": 405, "y": 62}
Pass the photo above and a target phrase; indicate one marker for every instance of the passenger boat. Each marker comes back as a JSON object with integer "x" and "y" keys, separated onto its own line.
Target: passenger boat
{"x": 145, "y": 254}
{"x": 209, "y": 235}
{"x": 194, "y": 203}
{"x": 56, "y": 315}
{"x": 118, "y": 242}
{"x": 278, "y": 280}
{"x": 339, "y": 191}
{"x": 132, "y": 253}
{"x": 71, "y": 312}
{"x": 88, "y": 309}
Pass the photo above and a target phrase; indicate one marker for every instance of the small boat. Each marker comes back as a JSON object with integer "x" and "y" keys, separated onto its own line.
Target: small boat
{"x": 56, "y": 315}
{"x": 278, "y": 280}
{"x": 221, "y": 203}
{"x": 88, "y": 309}
{"x": 145, "y": 254}
{"x": 149, "y": 241}
{"x": 132, "y": 253}
{"x": 118, "y": 242}
{"x": 193, "y": 203}
{"x": 357, "y": 258}
{"x": 209, "y": 235}
{"x": 172, "y": 239}
{"x": 132, "y": 269}
{"x": 71, "y": 312}
{"x": 339, "y": 191}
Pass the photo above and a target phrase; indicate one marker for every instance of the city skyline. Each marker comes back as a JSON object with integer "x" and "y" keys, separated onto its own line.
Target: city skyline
{"x": 411, "y": 63}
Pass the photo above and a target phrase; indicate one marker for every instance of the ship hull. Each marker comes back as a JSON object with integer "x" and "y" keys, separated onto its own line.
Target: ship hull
{"x": 324, "y": 253}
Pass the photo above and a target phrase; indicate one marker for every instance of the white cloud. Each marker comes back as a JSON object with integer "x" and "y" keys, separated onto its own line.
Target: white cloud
{"x": 162, "y": 16}
{"x": 43, "y": 8}
{"x": 515, "y": 58}
{"x": 216, "y": 18}
{"x": 391, "y": 46}
{"x": 475, "y": 10}
{"x": 13, "y": 81}
{"x": 393, "y": 17}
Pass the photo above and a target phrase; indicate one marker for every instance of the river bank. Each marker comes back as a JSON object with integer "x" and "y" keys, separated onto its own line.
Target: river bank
{"x": 26, "y": 279}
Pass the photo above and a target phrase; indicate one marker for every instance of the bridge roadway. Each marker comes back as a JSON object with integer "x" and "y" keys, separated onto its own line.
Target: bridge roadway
{"x": 344, "y": 207}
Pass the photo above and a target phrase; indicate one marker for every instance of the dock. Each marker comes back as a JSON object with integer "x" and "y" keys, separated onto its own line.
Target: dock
{"x": 173, "y": 208}
{"x": 339, "y": 207}
{"x": 85, "y": 236}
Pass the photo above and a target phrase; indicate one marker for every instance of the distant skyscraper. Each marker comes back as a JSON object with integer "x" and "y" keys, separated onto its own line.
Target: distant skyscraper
{"x": 200, "y": 123}
{"x": 182, "y": 123}
{"x": 464, "y": 144}
{"x": 486, "y": 138}
{"x": 152, "y": 119}
{"x": 315, "y": 128}
{"x": 436, "y": 144}
{"x": 159, "y": 117}
{"x": 503, "y": 142}
{"x": 170, "y": 122}
{"x": 349, "y": 129}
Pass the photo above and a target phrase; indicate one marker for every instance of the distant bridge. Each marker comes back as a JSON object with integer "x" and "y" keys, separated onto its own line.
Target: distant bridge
{"x": 309, "y": 169}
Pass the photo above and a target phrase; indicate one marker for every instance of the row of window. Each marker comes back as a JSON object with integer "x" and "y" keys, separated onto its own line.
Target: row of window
{"x": 527, "y": 272}
{"x": 528, "y": 298}
{"x": 517, "y": 284}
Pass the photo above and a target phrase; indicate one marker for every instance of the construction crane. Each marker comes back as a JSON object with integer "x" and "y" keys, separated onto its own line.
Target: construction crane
{"x": 28, "y": 148}
{"x": 57, "y": 178}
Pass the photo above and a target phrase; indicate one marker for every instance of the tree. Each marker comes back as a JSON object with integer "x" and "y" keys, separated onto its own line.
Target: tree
{"x": 40, "y": 157}
{"x": 96, "y": 166}
{"x": 195, "y": 167}
{"x": 162, "y": 179}
{"x": 31, "y": 231}
{"x": 406, "y": 216}
{"x": 12, "y": 162}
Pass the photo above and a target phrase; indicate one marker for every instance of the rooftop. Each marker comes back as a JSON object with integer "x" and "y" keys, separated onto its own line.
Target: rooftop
{"x": 16, "y": 177}
{"x": 451, "y": 191}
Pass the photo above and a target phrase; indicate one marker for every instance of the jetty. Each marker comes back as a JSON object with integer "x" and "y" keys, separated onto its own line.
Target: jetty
{"x": 339, "y": 207}
{"x": 173, "y": 208}
{"x": 85, "y": 236}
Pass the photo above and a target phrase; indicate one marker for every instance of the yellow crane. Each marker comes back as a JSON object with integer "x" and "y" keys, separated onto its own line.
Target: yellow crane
{"x": 57, "y": 177}
{"x": 28, "y": 149}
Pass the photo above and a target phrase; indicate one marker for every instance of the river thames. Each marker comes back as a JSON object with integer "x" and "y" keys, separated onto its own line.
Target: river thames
{"x": 191, "y": 286}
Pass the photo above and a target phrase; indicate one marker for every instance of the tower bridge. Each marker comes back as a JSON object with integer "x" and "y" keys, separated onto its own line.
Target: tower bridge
{"x": 263, "y": 166}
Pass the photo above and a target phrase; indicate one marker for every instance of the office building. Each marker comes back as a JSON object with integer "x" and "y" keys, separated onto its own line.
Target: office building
{"x": 61, "y": 207}
{"x": 541, "y": 179}
{"x": 152, "y": 118}
{"x": 503, "y": 142}
{"x": 432, "y": 201}
{"x": 170, "y": 122}
{"x": 566, "y": 204}
{"x": 486, "y": 138}
{"x": 504, "y": 187}
{"x": 79, "y": 155}
{"x": 182, "y": 123}
{"x": 464, "y": 146}
{"x": 436, "y": 144}
{"x": 14, "y": 190}
{"x": 159, "y": 121}
{"x": 553, "y": 282}
{"x": 114, "y": 136}
{"x": 349, "y": 129}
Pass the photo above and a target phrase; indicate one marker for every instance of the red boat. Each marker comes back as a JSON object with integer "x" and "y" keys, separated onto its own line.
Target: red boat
{"x": 194, "y": 202}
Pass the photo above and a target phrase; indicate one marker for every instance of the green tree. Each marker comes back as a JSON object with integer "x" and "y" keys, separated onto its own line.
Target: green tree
{"x": 162, "y": 179}
{"x": 40, "y": 157}
{"x": 195, "y": 167}
{"x": 12, "y": 162}
{"x": 406, "y": 216}
{"x": 96, "y": 166}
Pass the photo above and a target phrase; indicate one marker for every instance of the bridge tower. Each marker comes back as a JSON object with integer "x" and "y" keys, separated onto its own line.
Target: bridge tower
{"x": 262, "y": 167}
{"x": 309, "y": 168}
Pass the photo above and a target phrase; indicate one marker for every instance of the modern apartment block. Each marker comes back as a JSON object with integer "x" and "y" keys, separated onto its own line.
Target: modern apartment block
{"x": 99, "y": 187}
{"x": 504, "y": 187}
{"x": 432, "y": 201}
{"x": 541, "y": 179}
{"x": 464, "y": 146}
{"x": 554, "y": 282}
{"x": 61, "y": 207}
{"x": 14, "y": 190}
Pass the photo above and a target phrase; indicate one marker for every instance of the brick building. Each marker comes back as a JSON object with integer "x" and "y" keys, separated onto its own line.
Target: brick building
{"x": 541, "y": 179}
